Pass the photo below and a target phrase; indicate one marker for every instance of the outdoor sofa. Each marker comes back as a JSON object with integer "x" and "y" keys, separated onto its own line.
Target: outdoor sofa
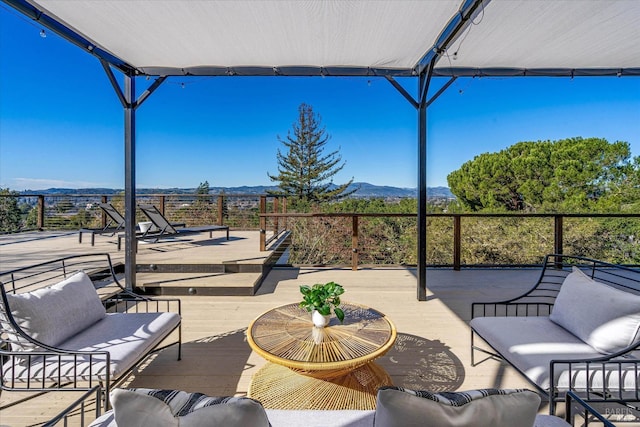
{"x": 59, "y": 334}
{"x": 577, "y": 329}
{"x": 395, "y": 407}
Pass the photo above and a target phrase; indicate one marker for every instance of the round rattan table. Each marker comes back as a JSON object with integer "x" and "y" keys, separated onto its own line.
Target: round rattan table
{"x": 320, "y": 368}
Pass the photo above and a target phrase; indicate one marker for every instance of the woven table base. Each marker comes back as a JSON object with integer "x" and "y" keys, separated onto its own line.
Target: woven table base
{"x": 278, "y": 387}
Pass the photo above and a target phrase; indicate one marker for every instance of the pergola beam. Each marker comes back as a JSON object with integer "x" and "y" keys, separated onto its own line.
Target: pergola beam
{"x": 67, "y": 33}
{"x": 456, "y": 24}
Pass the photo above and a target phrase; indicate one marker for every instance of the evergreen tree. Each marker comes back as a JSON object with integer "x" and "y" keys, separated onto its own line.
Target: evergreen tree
{"x": 304, "y": 171}
{"x": 569, "y": 175}
{"x": 203, "y": 188}
{"x": 10, "y": 213}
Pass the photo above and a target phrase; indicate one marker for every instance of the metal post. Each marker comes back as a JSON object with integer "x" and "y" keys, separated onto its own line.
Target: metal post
{"x": 422, "y": 186}
{"x": 163, "y": 205}
{"x": 284, "y": 210}
{"x": 263, "y": 224}
{"x": 40, "y": 221}
{"x": 103, "y": 215}
{"x": 220, "y": 209}
{"x": 557, "y": 235}
{"x": 354, "y": 243}
{"x": 276, "y": 207}
{"x": 456, "y": 242}
{"x": 130, "y": 182}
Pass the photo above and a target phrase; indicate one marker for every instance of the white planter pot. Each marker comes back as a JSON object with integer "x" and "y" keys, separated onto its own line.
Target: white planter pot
{"x": 319, "y": 320}
{"x": 318, "y": 335}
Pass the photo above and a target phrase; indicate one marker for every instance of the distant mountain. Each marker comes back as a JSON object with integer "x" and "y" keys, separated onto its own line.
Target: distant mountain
{"x": 365, "y": 190}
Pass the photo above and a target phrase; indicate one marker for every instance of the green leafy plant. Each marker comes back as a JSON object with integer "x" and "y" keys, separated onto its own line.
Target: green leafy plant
{"x": 322, "y": 297}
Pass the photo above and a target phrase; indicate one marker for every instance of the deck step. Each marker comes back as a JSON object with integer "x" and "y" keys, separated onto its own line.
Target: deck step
{"x": 205, "y": 284}
{"x": 223, "y": 268}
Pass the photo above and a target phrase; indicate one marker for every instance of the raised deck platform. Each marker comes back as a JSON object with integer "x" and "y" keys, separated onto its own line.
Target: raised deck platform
{"x": 185, "y": 265}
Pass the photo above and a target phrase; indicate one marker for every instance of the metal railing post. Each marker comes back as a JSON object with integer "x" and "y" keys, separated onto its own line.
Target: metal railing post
{"x": 354, "y": 243}
{"x": 276, "y": 206}
{"x": 456, "y": 243}
{"x": 284, "y": 210}
{"x": 162, "y": 205}
{"x": 220, "y": 209}
{"x": 40, "y": 221}
{"x": 263, "y": 223}
{"x": 103, "y": 215}
{"x": 557, "y": 238}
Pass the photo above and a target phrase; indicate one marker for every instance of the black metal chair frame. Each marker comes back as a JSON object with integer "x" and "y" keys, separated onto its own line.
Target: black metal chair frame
{"x": 539, "y": 301}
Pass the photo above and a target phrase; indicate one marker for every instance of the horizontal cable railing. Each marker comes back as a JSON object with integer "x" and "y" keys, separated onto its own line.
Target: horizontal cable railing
{"x": 69, "y": 212}
{"x": 457, "y": 240}
{"x": 365, "y": 239}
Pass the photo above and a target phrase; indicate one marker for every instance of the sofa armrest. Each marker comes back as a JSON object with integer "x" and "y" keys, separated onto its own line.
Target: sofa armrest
{"x": 76, "y": 413}
{"x": 522, "y": 306}
{"x": 130, "y": 302}
{"x": 613, "y": 378}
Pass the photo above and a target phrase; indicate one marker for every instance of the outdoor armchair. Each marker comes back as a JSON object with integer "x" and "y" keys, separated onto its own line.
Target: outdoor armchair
{"x": 68, "y": 324}
{"x": 577, "y": 329}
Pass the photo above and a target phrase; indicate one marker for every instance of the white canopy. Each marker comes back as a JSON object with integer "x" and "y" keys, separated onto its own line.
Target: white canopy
{"x": 351, "y": 37}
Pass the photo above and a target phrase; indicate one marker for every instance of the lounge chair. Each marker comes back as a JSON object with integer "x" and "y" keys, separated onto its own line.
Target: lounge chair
{"x": 115, "y": 224}
{"x": 163, "y": 228}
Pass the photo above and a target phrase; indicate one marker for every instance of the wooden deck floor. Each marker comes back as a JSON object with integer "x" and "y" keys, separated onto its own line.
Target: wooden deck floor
{"x": 432, "y": 350}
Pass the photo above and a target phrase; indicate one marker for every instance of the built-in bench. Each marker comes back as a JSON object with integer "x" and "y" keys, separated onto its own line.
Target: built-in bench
{"x": 577, "y": 329}
{"x": 57, "y": 333}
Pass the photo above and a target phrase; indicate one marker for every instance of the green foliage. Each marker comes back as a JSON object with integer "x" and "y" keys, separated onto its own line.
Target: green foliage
{"x": 304, "y": 171}
{"x": 10, "y": 213}
{"x": 202, "y": 211}
{"x": 63, "y": 206}
{"x": 203, "y": 188}
{"x": 568, "y": 175}
{"x": 323, "y": 298}
{"x": 31, "y": 218}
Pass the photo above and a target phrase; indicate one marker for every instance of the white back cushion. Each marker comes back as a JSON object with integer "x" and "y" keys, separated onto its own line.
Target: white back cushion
{"x": 55, "y": 313}
{"x": 606, "y": 318}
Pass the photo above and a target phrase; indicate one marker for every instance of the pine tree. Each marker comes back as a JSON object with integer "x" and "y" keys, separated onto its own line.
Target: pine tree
{"x": 305, "y": 172}
{"x": 10, "y": 214}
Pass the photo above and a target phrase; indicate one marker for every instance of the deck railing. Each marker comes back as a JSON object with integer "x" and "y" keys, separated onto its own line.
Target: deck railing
{"x": 459, "y": 240}
{"x": 74, "y": 211}
{"x": 363, "y": 239}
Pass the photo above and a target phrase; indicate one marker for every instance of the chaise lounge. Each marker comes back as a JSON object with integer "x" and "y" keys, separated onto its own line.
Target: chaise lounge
{"x": 162, "y": 228}
{"x": 114, "y": 224}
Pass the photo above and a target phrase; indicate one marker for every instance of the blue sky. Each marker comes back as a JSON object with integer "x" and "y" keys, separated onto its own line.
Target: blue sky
{"x": 61, "y": 124}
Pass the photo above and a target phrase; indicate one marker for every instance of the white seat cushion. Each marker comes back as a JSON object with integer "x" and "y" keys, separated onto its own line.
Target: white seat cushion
{"x": 530, "y": 343}
{"x": 125, "y": 336}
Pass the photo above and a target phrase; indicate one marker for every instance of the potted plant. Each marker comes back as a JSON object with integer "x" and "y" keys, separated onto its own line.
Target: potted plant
{"x": 320, "y": 299}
